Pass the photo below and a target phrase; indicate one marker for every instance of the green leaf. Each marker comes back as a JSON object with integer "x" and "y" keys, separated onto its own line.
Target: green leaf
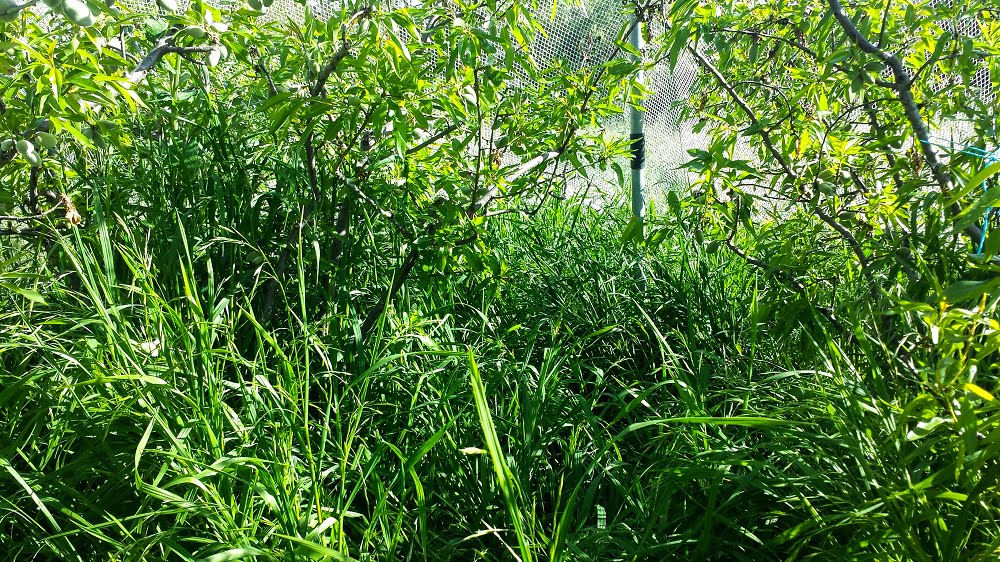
{"x": 154, "y": 27}
{"x": 924, "y": 428}
{"x": 975, "y": 182}
{"x": 503, "y": 474}
{"x": 316, "y": 551}
{"x": 745, "y": 421}
{"x": 399, "y": 136}
{"x": 979, "y": 391}
{"x": 967, "y": 290}
{"x": 632, "y": 231}
{"x": 952, "y": 496}
{"x": 674, "y": 202}
{"x": 630, "y": 49}
{"x": 428, "y": 445}
{"x": 32, "y": 296}
{"x": 400, "y": 46}
{"x": 992, "y": 245}
{"x": 234, "y": 554}
{"x": 942, "y": 42}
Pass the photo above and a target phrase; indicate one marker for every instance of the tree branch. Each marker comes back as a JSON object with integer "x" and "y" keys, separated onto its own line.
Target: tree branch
{"x": 306, "y": 213}
{"x": 162, "y": 47}
{"x": 765, "y": 137}
{"x": 432, "y": 139}
{"x": 853, "y": 244}
{"x": 479, "y": 204}
{"x": 21, "y": 232}
{"x": 329, "y": 68}
{"x": 262, "y": 68}
{"x": 397, "y": 283}
{"x": 18, "y": 7}
{"x": 904, "y": 93}
{"x": 29, "y": 218}
{"x": 780, "y": 275}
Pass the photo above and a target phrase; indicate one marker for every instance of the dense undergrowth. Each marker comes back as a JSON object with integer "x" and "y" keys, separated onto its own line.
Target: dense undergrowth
{"x": 334, "y": 301}
{"x": 546, "y": 411}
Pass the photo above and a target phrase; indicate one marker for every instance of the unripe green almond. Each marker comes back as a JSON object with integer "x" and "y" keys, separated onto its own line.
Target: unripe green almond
{"x": 24, "y": 148}
{"x": 54, "y": 4}
{"x": 256, "y": 5}
{"x": 267, "y": 3}
{"x": 167, "y": 5}
{"x": 86, "y": 20}
{"x": 78, "y": 13}
{"x": 8, "y": 16}
{"x": 33, "y": 158}
{"x": 214, "y": 56}
{"x": 6, "y": 145}
{"x": 106, "y": 125}
{"x": 48, "y": 140}
{"x": 193, "y": 31}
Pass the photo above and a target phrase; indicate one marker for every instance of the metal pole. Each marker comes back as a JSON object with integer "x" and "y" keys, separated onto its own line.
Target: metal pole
{"x": 636, "y": 115}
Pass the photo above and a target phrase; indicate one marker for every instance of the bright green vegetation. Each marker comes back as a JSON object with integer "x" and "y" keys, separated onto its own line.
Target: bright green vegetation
{"x": 546, "y": 413}
{"x": 337, "y": 290}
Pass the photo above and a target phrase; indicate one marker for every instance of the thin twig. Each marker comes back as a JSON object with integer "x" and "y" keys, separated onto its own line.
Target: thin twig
{"x": 262, "y": 68}
{"x": 21, "y": 232}
{"x": 386, "y": 213}
{"x": 765, "y": 136}
{"x": 29, "y": 218}
{"x": 432, "y": 139}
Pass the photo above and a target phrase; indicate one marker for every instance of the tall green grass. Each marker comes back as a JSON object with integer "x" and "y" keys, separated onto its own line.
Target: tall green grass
{"x": 547, "y": 411}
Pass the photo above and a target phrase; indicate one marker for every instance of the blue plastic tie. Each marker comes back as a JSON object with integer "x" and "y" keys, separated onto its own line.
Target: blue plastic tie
{"x": 986, "y": 218}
